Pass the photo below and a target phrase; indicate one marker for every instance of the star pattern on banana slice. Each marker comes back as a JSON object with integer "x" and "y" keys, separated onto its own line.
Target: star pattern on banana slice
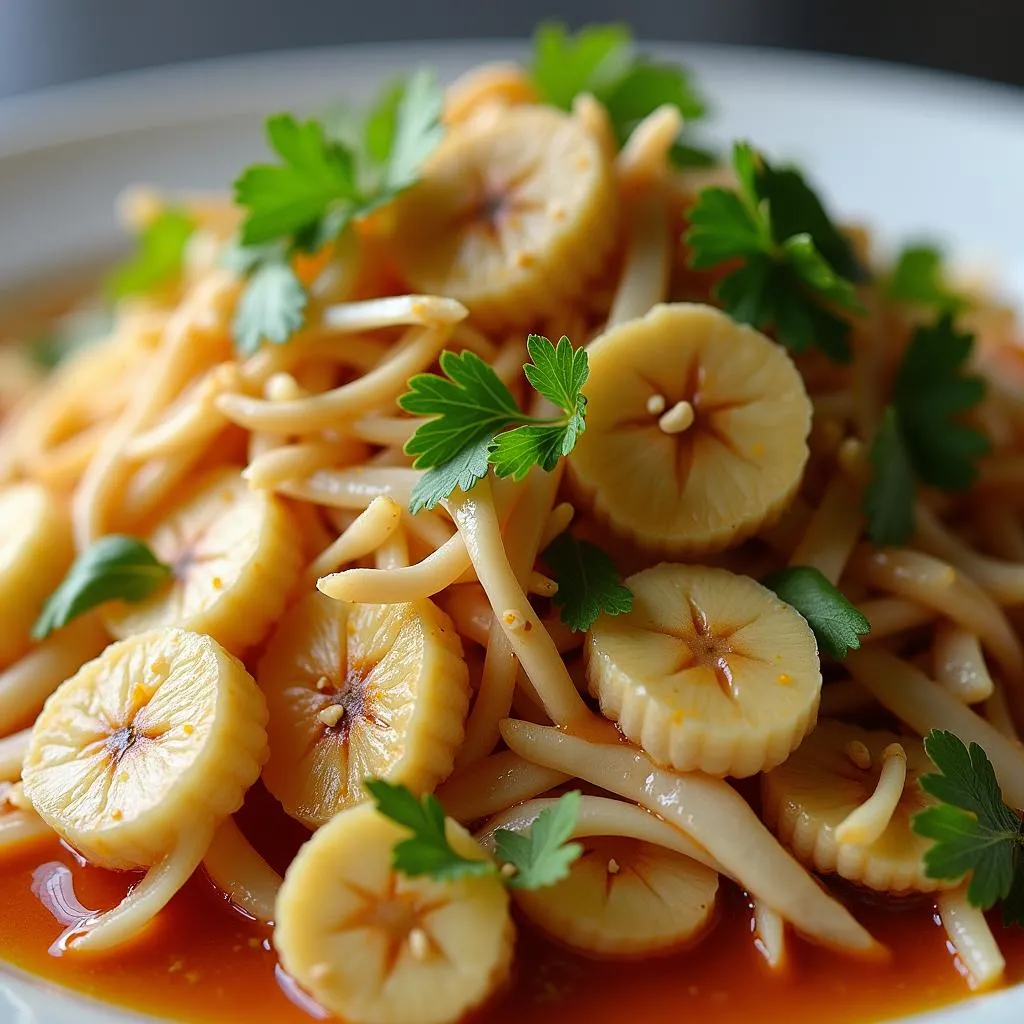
{"x": 234, "y": 553}
{"x": 625, "y": 898}
{"x": 368, "y": 943}
{"x": 512, "y": 215}
{"x": 708, "y": 671}
{"x": 360, "y": 691}
{"x": 696, "y": 430}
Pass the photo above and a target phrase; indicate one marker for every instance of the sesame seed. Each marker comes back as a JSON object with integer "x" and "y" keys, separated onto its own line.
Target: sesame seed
{"x": 613, "y": 867}
{"x": 656, "y": 405}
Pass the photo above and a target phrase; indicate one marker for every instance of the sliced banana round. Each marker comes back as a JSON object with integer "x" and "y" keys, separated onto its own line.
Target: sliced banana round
{"x": 376, "y": 947}
{"x": 235, "y": 552}
{"x": 833, "y": 774}
{"x": 696, "y": 430}
{"x": 360, "y": 691}
{"x": 138, "y": 757}
{"x": 512, "y": 215}
{"x": 710, "y": 671}
{"x": 624, "y": 898}
{"x": 36, "y": 549}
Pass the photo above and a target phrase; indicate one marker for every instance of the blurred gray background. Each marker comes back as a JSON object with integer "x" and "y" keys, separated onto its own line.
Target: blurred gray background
{"x": 45, "y": 42}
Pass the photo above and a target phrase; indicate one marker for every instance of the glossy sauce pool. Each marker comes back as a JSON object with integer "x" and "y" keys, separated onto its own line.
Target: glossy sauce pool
{"x": 203, "y": 961}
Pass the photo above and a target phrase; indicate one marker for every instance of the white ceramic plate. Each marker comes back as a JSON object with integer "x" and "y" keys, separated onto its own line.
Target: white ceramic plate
{"x": 914, "y": 153}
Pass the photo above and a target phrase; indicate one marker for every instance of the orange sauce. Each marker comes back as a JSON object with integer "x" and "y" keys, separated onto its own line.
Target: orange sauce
{"x": 203, "y": 961}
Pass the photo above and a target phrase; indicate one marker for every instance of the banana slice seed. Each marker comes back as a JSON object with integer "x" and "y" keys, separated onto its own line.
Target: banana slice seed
{"x": 696, "y": 432}
{"x": 360, "y": 691}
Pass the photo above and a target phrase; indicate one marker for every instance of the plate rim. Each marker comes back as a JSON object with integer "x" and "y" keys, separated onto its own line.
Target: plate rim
{"x": 159, "y": 96}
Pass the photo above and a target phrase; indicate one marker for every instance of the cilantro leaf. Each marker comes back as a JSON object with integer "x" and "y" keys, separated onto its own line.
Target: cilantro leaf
{"x": 921, "y": 437}
{"x": 272, "y": 306}
{"x": 284, "y": 199}
{"x": 541, "y": 856}
{"x": 472, "y": 412}
{"x": 777, "y": 230}
{"x": 462, "y": 470}
{"x": 589, "y": 584}
{"x": 836, "y": 623}
{"x": 158, "y": 259}
{"x": 797, "y": 210}
{"x": 558, "y": 373}
{"x": 917, "y": 278}
{"x": 594, "y": 61}
{"x": 544, "y": 855}
{"x": 470, "y": 402}
{"x": 601, "y": 60}
{"x": 417, "y": 132}
{"x": 645, "y": 87}
{"x": 974, "y": 831}
{"x": 427, "y": 851}
{"x": 115, "y": 568}
{"x": 930, "y": 390}
{"x": 889, "y": 495}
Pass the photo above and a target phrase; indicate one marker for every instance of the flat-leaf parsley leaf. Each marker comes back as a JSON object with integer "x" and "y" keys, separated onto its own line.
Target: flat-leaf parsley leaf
{"x": 115, "y": 568}
{"x": 476, "y": 422}
{"x": 836, "y": 623}
{"x": 158, "y": 257}
{"x": 602, "y": 60}
{"x": 923, "y": 429}
{"x": 777, "y": 231}
{"x": 588, "y": 582}
{"x": 540, "y": 856}
{"x": 975, "y": 832}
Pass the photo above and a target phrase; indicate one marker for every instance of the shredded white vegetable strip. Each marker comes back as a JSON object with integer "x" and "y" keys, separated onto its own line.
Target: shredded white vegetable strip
{"x": 296, "y": 461}
{"x": 25, "y": 686}
{"x": 401, "y": 583}
{"x": 237, "y": 869}
{"x": 190, "y": 341}
{"x": 368, "y": 531}
{"x": 20, "y": 827}
{"x": 602, "y": 816}
{"x": 924, "y": 705}
{"x": 353, "y": 488}
{"x": 393, "y": 311}
{"x": 938, "y": 585}
{"x": 960, "y": 664}
{"x": 711, "y": 813}
{"x": 374, "y": 389}
{"x": 972, "y": 938}
{"x": 865, "y": 824}
{"x": 888, "y": 616}
{"x": 521, "y": 544}
{"x": 494, "y": 784}
{"x": 145, "y": 899}
{"x": 1004, "y": 581}
{"x": 834, "y": 529}
{"x": 477, "y": 520}
{"x": 770, "y": 935}
{"x": 12, "y": 753}
{"x": 644, "y": 281}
